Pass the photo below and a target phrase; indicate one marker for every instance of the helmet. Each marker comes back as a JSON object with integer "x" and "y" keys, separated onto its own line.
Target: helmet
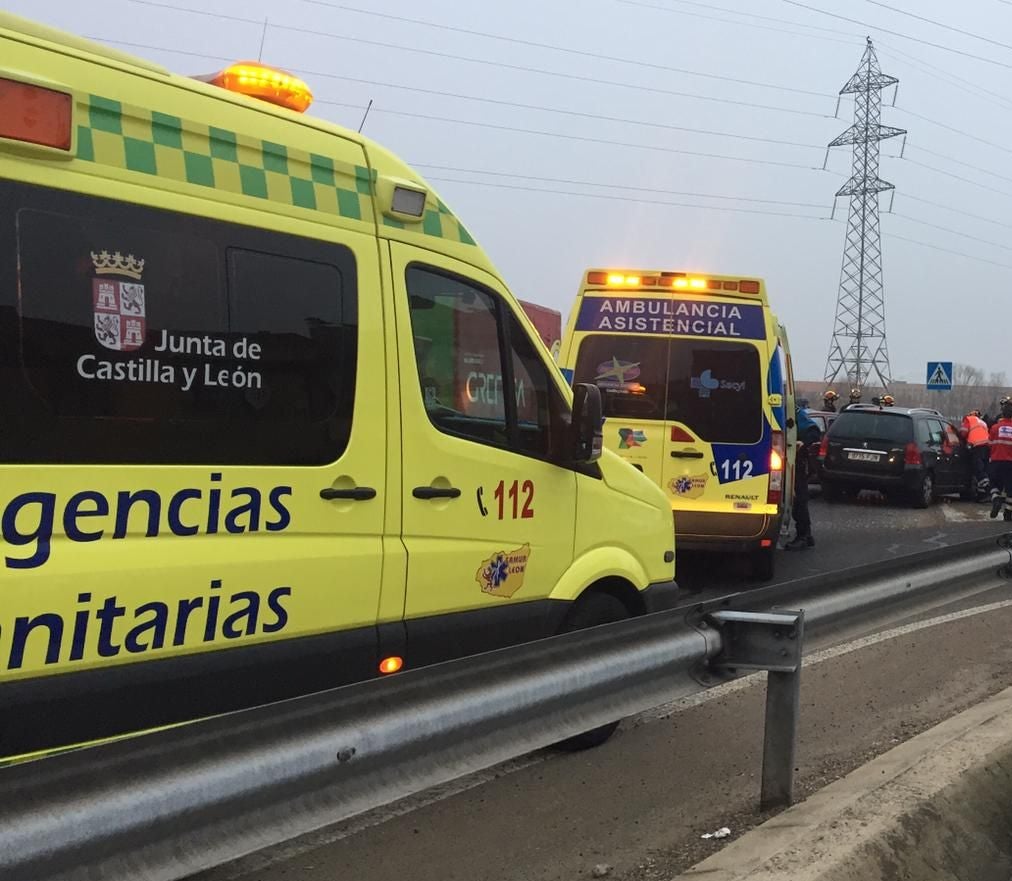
{"x": 830, "y": 395}
{"x": 888, "y": 400}
{"x": 1006, "y": 407}
{"x": 855, "y": 394}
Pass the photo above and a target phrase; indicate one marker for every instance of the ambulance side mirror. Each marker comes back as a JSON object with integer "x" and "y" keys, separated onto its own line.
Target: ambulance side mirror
{"x": 586, "y": 439}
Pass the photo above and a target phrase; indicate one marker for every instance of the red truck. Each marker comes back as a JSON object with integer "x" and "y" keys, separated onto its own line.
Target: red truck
{"x": 548, "y": 323}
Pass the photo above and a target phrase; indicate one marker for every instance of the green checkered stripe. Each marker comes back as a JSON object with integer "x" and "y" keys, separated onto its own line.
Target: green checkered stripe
{"x": 440, "y": 222}
{"x": 148, "y": 142}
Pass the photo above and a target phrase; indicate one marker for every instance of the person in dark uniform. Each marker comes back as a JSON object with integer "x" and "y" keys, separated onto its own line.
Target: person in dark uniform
{"x": 829, "y": 400}
{"x": 808, "y": 433}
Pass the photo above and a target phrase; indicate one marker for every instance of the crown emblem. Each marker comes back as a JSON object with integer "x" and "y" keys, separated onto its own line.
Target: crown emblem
{"x": 116, "y": 264}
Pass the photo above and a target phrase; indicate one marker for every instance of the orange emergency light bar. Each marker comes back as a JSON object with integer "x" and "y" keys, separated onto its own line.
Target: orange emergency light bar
{"x": 676, "y": 280}
{"x": 256, "y": 80}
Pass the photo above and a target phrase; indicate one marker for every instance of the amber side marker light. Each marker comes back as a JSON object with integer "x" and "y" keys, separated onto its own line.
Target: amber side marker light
{"x": 391, "y": 665}
{"x": 255, "y": 80}
{"x": 35, "y": 115}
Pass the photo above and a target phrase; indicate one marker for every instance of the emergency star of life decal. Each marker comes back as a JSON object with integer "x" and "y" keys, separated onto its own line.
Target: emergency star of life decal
{"x": 502, "y": 574}
{"x": 118, "y": 301}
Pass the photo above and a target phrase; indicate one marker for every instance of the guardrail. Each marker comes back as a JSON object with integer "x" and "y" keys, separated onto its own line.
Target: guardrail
{"x": 165, "y": 805}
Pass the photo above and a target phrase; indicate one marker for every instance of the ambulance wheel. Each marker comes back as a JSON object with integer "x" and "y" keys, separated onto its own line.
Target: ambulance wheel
{"x": 763, "y": 564}
{"x": 591, "y": 610}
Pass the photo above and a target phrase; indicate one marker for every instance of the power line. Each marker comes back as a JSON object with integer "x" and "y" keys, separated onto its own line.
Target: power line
{"x": 934, "y": 247}
{"x": 958, "y": 82}
{"x": 749, "y": 24}
{"x": 629, "y": 187}
{"x": 638, "y": 62}
{"x": 898, "y": 34}
{"x": 958, "y": 131}
{"x": 494, "y": 101}
{"x": 580, "y": 138}
{"x": 960, "y": 162}
{"x": 952, "y": 231}
{"x": 481, "y": 61}
{"x": 559, "y": 110}
{"x": 612, "y": 198}
{"x": 940, "y": 24}
{"x": 965, "y": 180}
{"x": 945, "y": 207}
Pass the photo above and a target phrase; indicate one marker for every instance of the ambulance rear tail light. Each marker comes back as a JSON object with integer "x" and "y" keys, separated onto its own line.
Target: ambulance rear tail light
{"x": 35, "y": 115}
{"x": 255, "y": 80}
{"x": 778, "y": 452}
{"x": 680, "y": 435}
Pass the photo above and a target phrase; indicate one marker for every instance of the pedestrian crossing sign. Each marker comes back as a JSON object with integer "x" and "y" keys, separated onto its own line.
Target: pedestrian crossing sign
{"x": 940, "y": 376}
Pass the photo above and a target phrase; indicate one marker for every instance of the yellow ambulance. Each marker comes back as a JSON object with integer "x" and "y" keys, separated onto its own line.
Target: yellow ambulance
{"x": 272, "y": 420}
{"x": 695, "y": 373}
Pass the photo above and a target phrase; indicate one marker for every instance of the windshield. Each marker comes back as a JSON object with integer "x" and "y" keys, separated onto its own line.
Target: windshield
{"x": 871, "y": 425}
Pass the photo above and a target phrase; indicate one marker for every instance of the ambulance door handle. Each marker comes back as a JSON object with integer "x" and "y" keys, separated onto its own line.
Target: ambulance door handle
{"x": 358, "y": 494}
{"x": 435, "y": 492}
{"x": 686, "y": 454}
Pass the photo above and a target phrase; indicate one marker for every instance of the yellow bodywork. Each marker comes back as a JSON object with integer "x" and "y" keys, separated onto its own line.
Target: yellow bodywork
{"x": 299, "y": 565}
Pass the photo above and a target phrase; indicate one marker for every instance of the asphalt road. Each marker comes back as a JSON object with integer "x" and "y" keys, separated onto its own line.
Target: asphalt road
{"x": 640, "y": 803}
{"x": 846, "y": 534}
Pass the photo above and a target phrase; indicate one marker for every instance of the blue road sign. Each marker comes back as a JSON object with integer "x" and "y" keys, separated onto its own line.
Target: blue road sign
{"x": 939, "y": 376}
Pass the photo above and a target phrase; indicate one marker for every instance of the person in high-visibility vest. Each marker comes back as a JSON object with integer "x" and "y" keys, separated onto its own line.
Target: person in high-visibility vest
{"x": 975, "y": 432}
{"x": 1001, "y": 462}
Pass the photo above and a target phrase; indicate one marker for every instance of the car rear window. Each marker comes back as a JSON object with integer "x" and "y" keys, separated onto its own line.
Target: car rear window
{"x": 872, "y": 425}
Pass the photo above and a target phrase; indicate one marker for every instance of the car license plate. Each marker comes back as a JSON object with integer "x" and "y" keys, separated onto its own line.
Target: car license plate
{"x": 864, "y": 457}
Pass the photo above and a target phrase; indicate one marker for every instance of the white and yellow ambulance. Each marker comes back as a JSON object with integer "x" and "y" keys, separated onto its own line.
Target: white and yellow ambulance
{"x": 272, "y": 421}
{"x": 695, "y": 373}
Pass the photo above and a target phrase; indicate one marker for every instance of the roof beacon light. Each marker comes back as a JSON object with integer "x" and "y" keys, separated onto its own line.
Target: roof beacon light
{"x": 269, "y": 84}
{"x": 35, "y": 115}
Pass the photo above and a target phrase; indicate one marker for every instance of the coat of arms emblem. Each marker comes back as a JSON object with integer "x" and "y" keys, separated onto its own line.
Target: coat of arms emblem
{"x": 118, "y": 301}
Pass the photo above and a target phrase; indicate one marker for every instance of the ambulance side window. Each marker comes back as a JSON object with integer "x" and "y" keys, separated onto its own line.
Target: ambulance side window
{"x": 480, "y": 376}
{"x": 133, "y": 335}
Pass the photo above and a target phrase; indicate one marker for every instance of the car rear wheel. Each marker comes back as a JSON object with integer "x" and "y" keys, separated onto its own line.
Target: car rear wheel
{"x": 924, "y": 495}
{"x": 591, "y": 610}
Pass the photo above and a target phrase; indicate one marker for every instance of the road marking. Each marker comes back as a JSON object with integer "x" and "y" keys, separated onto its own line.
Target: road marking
{"x": 936, "y": 540}
{"x": 348, "y": 828}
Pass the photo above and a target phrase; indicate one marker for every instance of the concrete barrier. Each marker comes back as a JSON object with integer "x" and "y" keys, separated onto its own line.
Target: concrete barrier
{"x": 936, "y": 808}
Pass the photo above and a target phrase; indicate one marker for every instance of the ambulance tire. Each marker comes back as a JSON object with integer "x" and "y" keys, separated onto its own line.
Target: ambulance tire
{"x": 591, "y": 610}
{"x": 763, "y": 564}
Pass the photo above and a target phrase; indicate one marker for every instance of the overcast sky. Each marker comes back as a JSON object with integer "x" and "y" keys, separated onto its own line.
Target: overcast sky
{"x": 435, "y": 91}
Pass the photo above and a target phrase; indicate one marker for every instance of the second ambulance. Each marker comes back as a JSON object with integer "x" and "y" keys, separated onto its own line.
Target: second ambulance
{"x": 698, "y": 394}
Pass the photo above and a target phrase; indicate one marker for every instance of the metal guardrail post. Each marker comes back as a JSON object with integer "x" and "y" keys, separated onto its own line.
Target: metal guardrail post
{"x": 770, "y": 641}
